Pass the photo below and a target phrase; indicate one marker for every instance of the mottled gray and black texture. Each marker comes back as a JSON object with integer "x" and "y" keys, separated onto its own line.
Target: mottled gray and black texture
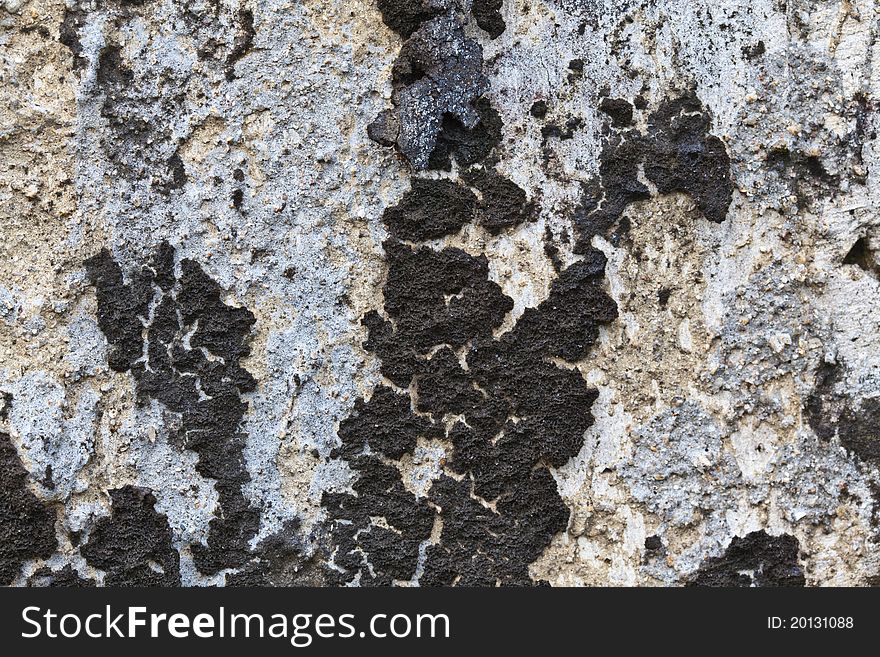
{"x": 439, "y": 292}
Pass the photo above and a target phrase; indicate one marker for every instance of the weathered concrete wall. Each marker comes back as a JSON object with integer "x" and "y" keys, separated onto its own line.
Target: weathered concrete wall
{"x": 439, "y": 292}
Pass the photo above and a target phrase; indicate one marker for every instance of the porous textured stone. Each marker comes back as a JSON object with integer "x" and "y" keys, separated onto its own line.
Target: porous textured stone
{"x": 439, "y": 292}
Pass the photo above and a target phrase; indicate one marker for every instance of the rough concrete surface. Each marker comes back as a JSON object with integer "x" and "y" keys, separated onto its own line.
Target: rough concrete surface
{"x": 438, "y": 292}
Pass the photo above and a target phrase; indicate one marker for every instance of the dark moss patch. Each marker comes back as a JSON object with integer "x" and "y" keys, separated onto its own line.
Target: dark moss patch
{"x": 663, "y": 295}
{"x": 620, "y": 111}
{"x": 431, "y": 209}
{"x": 133, "y": 545}
{"x": 677, "y": 154}
{"x": 801, "y": 171}
{"x": 521, "y": 414}
{"x": 504, "y": 203}
{"x": 757, "y": 559}
{"x": 237, "y": 199}
{"x": 480, "y": 547}
{"x": 242, "y": 42}
{"x": 653, "y": 543}
{"x": 551, "y": 250}
{"x": 488, "y": 16}
{"x": 518, "y": 413}
{"x": 205, "y": 392}
{"x": 66, "y": 577}
{"x": 27, "y": 526}
{"x": 604, "y": 201}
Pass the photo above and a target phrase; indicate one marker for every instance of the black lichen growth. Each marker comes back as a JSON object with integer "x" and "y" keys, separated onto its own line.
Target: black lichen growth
{"x": 520, "y": 414}
{"x": 68, "y": 33}
{"x": 487, "y": 13}
{"x": 65, "y": 577}
{"x": 279, "y": 560}
{"x": 27, "y": 526}
{"x": 370, "y": 552}
{"x": 757, "y": 559}
{"x": 824, "y": 405}
{"x": 467, "y": 146}
{"x": 431, "y": 209}
{"x": 140, "y": 141}
{"x": 433, "y": 298}
{"x": 859, "y": 430}
{"x": 653, "y": 543}
{"x": 386, "y": 423}
{"x": 503, "y": 203}
{"x": 831, "y": 414}
{"x": 552, "y": 130}
{"x": 405, "y": 16}
{"x": 183, "y": 346}
{"x": 509, "y": 412}
{"x": 663, "y": 295}
{"x": 620, "y": 111}
{"x": 133, "y": 545}
{"x": 755, "y": 50}
{"x": 677, "y": 154}
{"x": 243, "y": 41}
{"x": 539, "y": 109}
{"x": 684, "y": 157}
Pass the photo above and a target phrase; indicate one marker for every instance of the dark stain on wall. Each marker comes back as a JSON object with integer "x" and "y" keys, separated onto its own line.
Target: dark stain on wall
{"x": 145, "y": 320}
{"x": 65, "y": 577}
{"x": 677, "y": 154}
{"x": 831, "y": 414}
{"x": 242, "y": 42}
{"x": 504, "y": 409}
{"x": 279, "y": 560}
{"x": 133, "y": 545}
{"x": 757, "y": 559}
{"x": 431, "y": 209}
{"x": 139, "y": 142}
{"x": 68, "y": 34}
{"x": 27, "y": 526}
{"x": 824, "y": 404}
{"x": 859, "y": 430}
{"x": 487, "y": 13}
